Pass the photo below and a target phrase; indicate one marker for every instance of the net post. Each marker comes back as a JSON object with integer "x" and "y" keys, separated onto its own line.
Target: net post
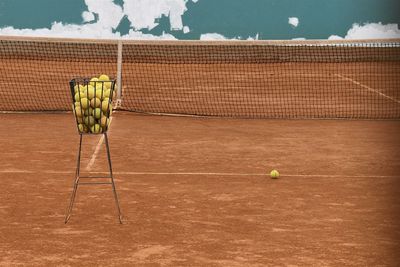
{"x": 119, "y": 74}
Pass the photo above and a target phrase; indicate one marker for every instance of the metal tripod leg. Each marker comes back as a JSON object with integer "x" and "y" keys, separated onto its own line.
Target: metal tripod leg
{"x": 77, "y": 178}
{"x": 112, "y": 179}
{"x": 71, "y": 204}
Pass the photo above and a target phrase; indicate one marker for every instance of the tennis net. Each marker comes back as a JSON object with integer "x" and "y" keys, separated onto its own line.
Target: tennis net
{"x": 243, "y": 79}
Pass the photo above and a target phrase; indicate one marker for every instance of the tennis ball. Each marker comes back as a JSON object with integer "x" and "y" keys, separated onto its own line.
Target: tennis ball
{"x": 95, "y": 102}
{"x": 90, "y": 92}
{"x": 108, "y": 112}
{"x": 107, "y": 85}
{"x": 100, "y": 90}
{"x": 93, "y": 81}
{"x": 76, "y": 89}
{"x": 82, "y": 128}
{"x": 104, "y": 122}
{"x": 79, "y": 119}
{"x": 96, "y": 128}
{"x": 88, "y": 111}
{"x": 104, "y": 77}
{"x": 78, "y": 111}
{"x": 106, "y": 94}
{"x": 78, "y": 96}
{"x": 83, "y": 89}
{"x": 96, "y": 113}
{"x": 274, "y": 174}
{"x": 89, "y": 120}
{"x": 84, "y": 103}
{"x": 104, "y": 105}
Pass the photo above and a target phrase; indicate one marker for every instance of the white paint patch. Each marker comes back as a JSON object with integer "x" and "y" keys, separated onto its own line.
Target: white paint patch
{"x": 250, "y": 38}
{"x": 370, "y": 31}
{"x": 294, "y": 21}
{"x": 109, "y": 13}
{"x": 212, "y": 37}
{"x": 186, "y": 29}
{"x": 88, "y": 16}
{"x": 335, "y": 37}
{"x": 144, "y": 14}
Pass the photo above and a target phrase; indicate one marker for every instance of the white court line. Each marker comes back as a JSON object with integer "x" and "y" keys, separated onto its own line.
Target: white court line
{"x": 209, "y": 174}
{"x": 97, "y": 150}
{"x": 368, "y": 88}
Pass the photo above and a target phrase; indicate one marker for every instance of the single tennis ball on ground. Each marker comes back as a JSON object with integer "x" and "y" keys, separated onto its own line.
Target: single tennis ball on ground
{"x": 96, "y": 128}
{"x": 84, "y": 103}
{"x": 96, "y": 113}
{"x": 95, "y": 102}
{"x": 89, "y": 120}
{"x": 274, "y": 174}
{"x": 104, "y": 121}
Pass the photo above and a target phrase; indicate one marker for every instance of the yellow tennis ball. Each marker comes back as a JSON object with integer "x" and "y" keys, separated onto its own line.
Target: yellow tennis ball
{"x": 96, "y": 113}
{"x": 106, "y": 94}
{"x": 88, "y": 111}
{"x": 100, "y": 88}
{"x": 82, "y": 128}
{"x": 93, "y": 81}
{"x": 78, "y": 111}
{"x": 89, "y": 120}
{"x": 104, "y": 77}
{"x": 104, "y": 121}
{"x": 108, "y": 84}
{"x": 78, "y": 96}
{"x": 76, "y": 88}
{"x": 95, "y": 102}
{"x": 79, "y": 119}
{"x": 274, "y": 174}
{"x": 84, "y": 103}
{"x": 90, "y": 92}
{"x": 83, "y": 89}
{"x": 105, "y": 104}
{"x": 96, "y": 128}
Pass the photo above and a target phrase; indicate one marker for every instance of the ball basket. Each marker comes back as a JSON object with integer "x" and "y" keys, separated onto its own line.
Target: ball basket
{"x": 92, "y": 104}
{"x": 92, "y": 107}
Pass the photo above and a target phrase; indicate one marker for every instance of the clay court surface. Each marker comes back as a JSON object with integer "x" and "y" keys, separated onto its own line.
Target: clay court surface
{"x": 194, "y": 192}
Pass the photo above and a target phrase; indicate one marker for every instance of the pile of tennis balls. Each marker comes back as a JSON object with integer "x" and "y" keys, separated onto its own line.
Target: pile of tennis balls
{"x": 93, "y": 106}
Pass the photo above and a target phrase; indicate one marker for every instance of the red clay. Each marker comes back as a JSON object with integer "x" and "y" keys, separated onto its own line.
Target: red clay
{"x": 193, "y": 193}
